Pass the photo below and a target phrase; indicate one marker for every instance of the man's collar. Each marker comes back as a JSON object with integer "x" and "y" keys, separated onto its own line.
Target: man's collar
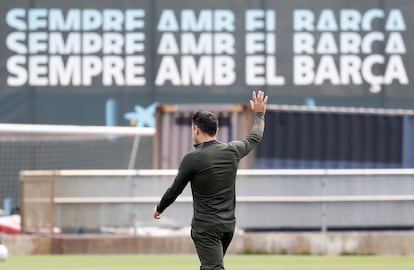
{"x": 204, "y": 144}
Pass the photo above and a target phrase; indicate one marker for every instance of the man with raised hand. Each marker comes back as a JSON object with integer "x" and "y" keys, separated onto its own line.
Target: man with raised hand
{"x": 211, "y": 169}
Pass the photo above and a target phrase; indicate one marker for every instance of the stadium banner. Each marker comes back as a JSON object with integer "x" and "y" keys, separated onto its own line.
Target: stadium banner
{"x": 82, "y": 54}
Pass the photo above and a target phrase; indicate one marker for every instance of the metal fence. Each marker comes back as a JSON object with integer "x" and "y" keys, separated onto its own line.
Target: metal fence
{"x": 297, "y": 137}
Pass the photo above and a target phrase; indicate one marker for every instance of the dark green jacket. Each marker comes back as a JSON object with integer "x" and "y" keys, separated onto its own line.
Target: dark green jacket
{"x": 211, "y": 169}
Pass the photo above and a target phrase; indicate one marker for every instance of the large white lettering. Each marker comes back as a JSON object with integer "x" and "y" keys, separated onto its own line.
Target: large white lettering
{"x": 349, "y": 50}
{"x": 77, "y": 47}
{"x": 208, "y": 70}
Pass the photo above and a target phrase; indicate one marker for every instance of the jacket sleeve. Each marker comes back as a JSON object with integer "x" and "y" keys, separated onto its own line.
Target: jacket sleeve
{"x": 245, "y": 145}
{"x": 185, "y": 172}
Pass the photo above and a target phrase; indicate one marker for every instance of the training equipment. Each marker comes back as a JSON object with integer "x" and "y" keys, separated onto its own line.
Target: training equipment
{"x": 57, "y": 147}
{"x": 3, "y": 252}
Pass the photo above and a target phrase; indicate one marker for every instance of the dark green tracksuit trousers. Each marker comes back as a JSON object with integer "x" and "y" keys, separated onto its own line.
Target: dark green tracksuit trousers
{"x": 211, "y": 248}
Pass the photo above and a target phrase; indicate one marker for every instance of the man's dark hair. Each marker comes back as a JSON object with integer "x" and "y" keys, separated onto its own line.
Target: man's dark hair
{"x": 206, "y": 121}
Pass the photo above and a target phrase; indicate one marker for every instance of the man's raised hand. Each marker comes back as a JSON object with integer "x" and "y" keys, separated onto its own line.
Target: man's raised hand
{"x": 258, "y": 102}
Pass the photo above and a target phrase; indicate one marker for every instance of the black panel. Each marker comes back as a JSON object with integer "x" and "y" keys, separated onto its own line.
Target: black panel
{"x": 332, "y": 137}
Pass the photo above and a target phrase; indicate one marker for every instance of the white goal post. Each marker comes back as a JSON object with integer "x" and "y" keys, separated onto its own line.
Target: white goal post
{"x": 29, "y": 129}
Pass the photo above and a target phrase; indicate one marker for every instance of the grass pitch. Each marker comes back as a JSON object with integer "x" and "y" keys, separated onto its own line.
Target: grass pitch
{"x": 190, "y": 262}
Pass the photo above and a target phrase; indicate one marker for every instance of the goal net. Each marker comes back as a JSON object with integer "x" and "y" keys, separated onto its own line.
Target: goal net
{"x": 57, "y": 147}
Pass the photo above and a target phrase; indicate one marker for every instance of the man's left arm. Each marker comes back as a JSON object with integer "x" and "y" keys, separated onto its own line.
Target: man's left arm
{"x": 184, "y": 175}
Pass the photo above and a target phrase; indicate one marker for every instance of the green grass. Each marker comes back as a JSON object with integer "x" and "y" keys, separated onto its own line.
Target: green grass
{"x": 190, "y": 262}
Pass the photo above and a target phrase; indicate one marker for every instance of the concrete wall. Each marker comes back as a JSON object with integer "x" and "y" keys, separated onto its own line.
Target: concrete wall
{"x": 363, "y": 243}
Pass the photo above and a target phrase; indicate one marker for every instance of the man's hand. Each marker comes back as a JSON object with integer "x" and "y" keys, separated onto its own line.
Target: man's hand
{"x": 157, "y": 215}
{"x": 258, "y": 103}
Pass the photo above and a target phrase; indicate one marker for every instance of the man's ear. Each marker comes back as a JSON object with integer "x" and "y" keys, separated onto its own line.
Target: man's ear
{"x": 196, "y": 129}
